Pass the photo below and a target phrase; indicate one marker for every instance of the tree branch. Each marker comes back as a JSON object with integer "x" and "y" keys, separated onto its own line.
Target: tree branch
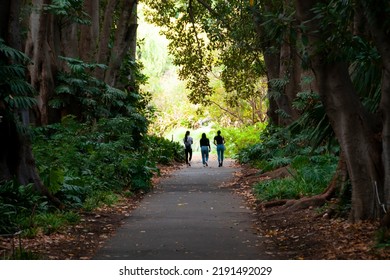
{"x": 213, "y": 13}
{"x": 227, "y": 111}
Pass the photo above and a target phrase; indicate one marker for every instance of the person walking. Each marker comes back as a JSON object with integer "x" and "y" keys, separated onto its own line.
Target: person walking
{"x": 188, "y": 141}
{"x": 205, "y": 148}
{"x": 219, "y": 141}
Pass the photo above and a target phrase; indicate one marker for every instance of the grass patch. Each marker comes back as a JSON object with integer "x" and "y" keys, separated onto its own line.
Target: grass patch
{"x": 309, "y": 176}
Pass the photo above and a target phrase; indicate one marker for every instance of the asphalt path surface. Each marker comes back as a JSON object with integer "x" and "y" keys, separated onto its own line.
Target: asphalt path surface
{"x": 191, "y": 215}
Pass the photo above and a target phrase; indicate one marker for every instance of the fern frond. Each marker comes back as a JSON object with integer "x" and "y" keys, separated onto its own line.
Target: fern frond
{"x": 20, "y": 87}
{"x": 115, "y": 92}
{"x": 63, "y": 89}
{"x": 57, "y": 103}
{"x": 12, "y": 53}
{"x": 20, "y": 102}
{"x": 12, "y": 70}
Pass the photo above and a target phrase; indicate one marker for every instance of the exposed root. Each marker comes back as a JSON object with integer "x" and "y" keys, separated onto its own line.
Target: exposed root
{"x": 335, "y": 187}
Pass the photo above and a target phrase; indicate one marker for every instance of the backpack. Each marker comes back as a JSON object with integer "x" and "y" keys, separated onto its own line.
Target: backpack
{"x": 188, "y": 143}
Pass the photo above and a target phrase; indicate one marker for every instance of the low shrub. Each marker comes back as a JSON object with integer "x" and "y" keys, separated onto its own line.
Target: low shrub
{"x": 80, "y": 161}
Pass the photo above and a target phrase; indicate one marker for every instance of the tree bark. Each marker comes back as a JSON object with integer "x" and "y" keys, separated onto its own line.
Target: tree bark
{"x": 16, "y": 158}
{"x": 104, "y": 38}
{"x": 375, "y": 13}
{"x": 290, "y": 70}
{"x": 281, "y": 62}
{"x": 351, "y": 122}
{"x": 39, "y": 50}
{"x": 125, "y": 33}
{"x": 89, "y": 33}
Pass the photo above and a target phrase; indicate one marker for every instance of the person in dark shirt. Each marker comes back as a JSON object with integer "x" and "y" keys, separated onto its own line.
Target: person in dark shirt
{"x": 219, "y": 141}
{"x": 205, "y": 148}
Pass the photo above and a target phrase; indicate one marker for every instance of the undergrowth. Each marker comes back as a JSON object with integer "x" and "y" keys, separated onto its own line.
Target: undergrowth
{"x": 311, "y": 167}
{"x": 86, "y": 166}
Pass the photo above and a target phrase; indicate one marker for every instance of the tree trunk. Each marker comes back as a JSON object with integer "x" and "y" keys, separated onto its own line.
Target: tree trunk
{"x": 351, "y": 122}
{"x": 39, "y": 50}
{"x": 375, "y": 13}
{"x": 104, "y": 38}
{"x": 89, "y": 33}
{"x": 280, "y": 64}
{"x": 69, "y": 42}
{"x": 290, "y": 69}
{"x": 125, "y": 33}
{"x": 16, "y": 159}
{"x": 272, "y": 63}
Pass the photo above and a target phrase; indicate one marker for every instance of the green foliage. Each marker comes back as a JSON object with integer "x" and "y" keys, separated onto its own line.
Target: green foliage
{"x": 311, "y": 167}
{"x": 67, "y": 10}
{"x": 163, "y": 150}
{"x": 82, "y": 162}
{"x": 92, "y": 156}
{"x": 335, "y": 18}
{"x": 382, "y": 238}
{"x": 212, "y": 42}
{"x": 153, "y": 49}
{"x": 239, "y": 138}
{"x": 277, "y": 147}
{"x": 85, "y": 166}
{"x": 18, "y": 201}
{"x": 98, "y": 199}
{"x": 15, "y": 92}
{"x": 168, "y": 94}
{"x": 48, "y": 222}
{"x": 310, "y": 175}
{"x": 23, "y": 209}
{"x": 88, "y": 98}
{"x": 79, "y": 88}
{"x": 269, "y": 147}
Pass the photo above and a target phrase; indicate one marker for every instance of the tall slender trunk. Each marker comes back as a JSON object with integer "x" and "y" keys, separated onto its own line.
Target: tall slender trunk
{"x": 104, "y": 37}
{"x": 290, "y": 70}
{"x": 281, "y": 63}
{"x": 124, "y": 35}
{"x": 89, "y": 33}
{"x": 38, "y": 48}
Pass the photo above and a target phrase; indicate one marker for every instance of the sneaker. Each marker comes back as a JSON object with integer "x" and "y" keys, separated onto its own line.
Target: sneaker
{"x": 207, "y": 164}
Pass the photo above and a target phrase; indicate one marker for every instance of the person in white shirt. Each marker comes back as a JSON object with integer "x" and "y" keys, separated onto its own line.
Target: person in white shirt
{"x": 188, "y": 141}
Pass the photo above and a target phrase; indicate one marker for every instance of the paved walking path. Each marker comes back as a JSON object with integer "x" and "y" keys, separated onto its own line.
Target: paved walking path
{"x": 190, "y": 215}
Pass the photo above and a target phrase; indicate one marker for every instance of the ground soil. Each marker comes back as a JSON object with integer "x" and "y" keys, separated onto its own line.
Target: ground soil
{"x": 303, "y": 234}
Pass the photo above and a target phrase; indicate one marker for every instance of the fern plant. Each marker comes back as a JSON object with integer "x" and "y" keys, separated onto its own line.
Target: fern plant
{"x": 78, "y": 88}
{"x": 15, "y": 92}
{"x": 66, "y": 10}
{"x": 91, "y": 99}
